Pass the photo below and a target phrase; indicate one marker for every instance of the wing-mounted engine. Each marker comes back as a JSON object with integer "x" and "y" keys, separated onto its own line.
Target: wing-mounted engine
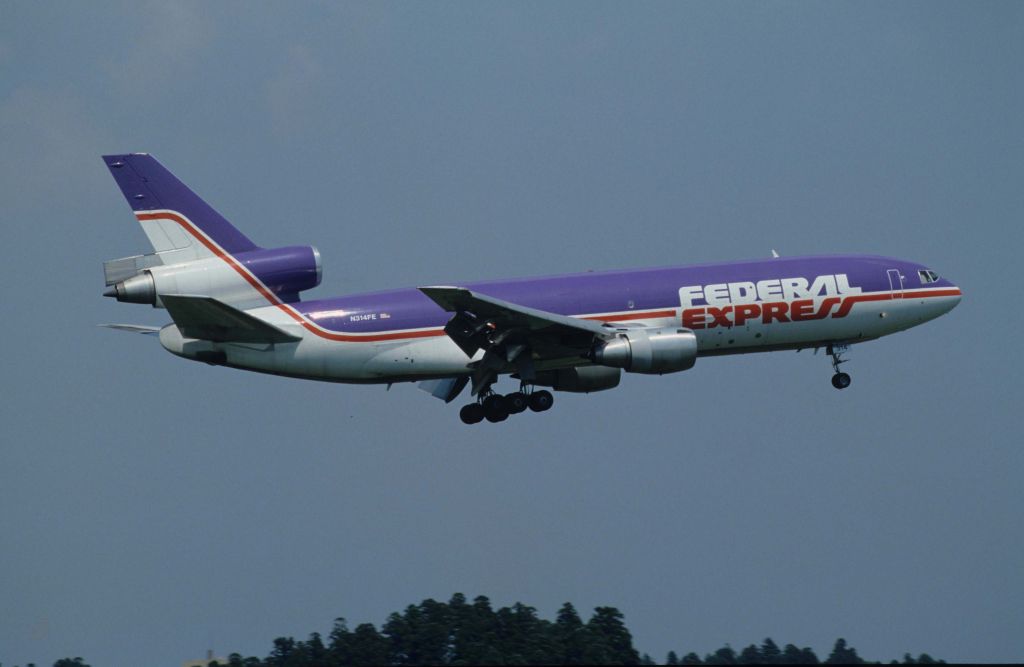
{"x": 650, "y": 351}
{"x": 236, "y": 279}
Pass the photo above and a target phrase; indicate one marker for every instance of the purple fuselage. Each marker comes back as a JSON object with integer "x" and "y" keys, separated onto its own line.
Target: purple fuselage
{"x": 606, "y": 292}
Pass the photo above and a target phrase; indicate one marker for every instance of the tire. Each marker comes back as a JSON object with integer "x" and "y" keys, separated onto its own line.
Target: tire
{"x": 541, "y": 401}
{"x": 516, "y": 402}
{"x": 472, "y": 413}
{"x": 841, "y": 380}
{"x": 495, "y": 408}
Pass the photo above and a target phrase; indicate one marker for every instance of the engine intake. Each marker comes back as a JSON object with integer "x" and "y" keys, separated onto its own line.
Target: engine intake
{"x": 651, "y": 351}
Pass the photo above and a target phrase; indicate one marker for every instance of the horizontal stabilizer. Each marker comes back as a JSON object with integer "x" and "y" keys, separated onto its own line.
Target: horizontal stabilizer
{"x": 132, "y": 328}
{"x": 206, "y": 318}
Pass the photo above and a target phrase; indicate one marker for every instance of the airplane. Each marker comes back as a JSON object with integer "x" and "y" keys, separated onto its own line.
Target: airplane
{"x": 235, "y": 304}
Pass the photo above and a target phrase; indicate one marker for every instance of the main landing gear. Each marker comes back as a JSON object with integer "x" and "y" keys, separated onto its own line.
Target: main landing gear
{"x": 840, "y": 380}
{"x": 497, "y": 408}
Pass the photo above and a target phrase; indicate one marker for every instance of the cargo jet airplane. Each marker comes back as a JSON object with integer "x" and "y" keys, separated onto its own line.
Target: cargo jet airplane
{"x": 236, "y": 304}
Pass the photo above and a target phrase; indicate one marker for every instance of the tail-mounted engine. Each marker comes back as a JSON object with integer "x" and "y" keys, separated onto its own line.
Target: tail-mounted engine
{"x": 284, "y": 271}
{"x": 651, "y": 351}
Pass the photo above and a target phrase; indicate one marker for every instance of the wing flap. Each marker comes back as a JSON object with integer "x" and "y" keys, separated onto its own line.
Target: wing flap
{"x": 207, "y": 318}
{"x": 446, "y": 389}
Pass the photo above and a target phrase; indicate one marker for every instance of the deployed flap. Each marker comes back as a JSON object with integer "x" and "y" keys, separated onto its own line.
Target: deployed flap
{"x": 208, "y": 319}
{"x": 446, "y": 389}
{"x": 507, "y": 314}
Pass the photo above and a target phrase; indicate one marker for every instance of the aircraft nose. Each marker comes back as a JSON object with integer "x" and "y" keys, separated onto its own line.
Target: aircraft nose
{"x": 952, "y": 298}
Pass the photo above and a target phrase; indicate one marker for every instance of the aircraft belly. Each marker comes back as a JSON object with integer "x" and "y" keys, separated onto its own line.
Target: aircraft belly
{"x": 317, "y": 359}
{"x": 430, "y": 357}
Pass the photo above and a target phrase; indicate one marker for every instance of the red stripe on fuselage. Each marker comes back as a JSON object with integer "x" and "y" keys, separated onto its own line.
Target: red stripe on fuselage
{"x": 643, "y": 315}
{"x": 955, "y": 291}
{"x": 849, "y": 301}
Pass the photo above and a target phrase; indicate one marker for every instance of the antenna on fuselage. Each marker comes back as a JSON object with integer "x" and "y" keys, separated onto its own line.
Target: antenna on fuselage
{"x": 775, "y": 254}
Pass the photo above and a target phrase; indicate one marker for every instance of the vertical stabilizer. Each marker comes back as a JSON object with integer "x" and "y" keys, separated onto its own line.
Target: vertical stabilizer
{"x": 172, "y": 216}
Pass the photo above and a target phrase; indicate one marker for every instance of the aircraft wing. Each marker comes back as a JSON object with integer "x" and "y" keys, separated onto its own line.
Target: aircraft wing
{"x": 209, "y": 319}
{"x": 506, "y": 313}
{"x": 513, "y": 336}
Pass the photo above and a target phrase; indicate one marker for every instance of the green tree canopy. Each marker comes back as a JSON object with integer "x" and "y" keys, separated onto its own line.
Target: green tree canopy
{"x": 843, "y": 654}
{"x": 460, "y": 632}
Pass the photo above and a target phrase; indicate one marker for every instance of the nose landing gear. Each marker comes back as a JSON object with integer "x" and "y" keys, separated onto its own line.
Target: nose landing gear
{"x": 840, "y": 380}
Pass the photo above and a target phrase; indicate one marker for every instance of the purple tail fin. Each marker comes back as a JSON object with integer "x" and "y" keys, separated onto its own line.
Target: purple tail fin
{"x": 149, "y": 186}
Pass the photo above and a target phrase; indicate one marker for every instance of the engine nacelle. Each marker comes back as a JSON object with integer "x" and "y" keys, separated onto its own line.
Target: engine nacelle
{"x": 285, "y": 272}
{"x": 652, "y": 351}
{"x": 580, "y": 380}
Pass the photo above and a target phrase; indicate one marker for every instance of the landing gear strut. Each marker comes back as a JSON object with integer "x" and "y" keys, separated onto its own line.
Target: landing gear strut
{"x": 840, "y": 380}
{"x": 497, "y": 408}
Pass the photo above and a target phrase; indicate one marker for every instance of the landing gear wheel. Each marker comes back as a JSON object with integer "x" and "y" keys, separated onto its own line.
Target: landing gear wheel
{"x": 541, "y": 401}
{"x": 841, "y": 380}
{"x": 472, "y": 413}
{"x": 495, "y": 408}
{"x": 516, "y": 402}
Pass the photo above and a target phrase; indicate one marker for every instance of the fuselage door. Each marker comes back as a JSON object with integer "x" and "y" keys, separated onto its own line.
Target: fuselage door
{"x": 896, "y": 283}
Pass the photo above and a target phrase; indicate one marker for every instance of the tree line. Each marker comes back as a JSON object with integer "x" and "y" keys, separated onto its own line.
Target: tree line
{"x": 459, "y": 632}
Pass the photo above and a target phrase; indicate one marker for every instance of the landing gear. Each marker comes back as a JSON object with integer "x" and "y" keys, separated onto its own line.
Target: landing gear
{"x": 497, "y": 408}
{"x": 517, "y": 402}
{"x": 541, "y": 401}
{"x": 472, "y": 413}
{"x": 840, "y": 380}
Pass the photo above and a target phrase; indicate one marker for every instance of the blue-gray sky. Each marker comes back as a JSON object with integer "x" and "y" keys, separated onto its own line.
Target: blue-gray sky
{"x": 152, "y": 508}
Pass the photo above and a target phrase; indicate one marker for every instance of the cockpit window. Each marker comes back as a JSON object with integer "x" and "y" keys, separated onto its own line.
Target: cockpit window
{"x": 927, "y": 276}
